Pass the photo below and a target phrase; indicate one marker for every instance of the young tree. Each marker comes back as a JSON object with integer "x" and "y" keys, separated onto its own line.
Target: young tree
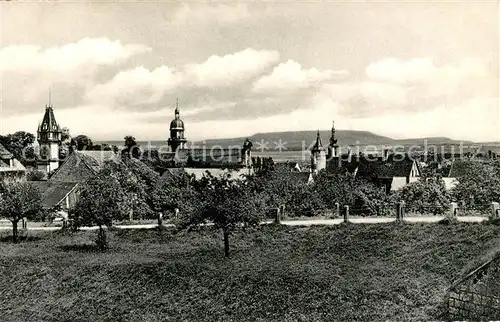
{"x": 19, "y": 200}
{"x": 98, "y": 204}
{"x": 227, "y": 203}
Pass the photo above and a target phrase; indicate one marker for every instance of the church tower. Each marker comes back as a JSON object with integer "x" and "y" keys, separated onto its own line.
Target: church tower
{"x": 333, "y": 148}
{"x": 318, "y": 156}
{"x": 177, "y": 139}
{"x": 49, "y": 140}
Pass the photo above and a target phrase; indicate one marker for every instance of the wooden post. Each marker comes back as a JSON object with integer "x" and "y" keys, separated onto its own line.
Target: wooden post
{"x": 399, "y": 212}
{"x": 337, "y": 209}
{"x": 160, "y": 219}
{"x": 282, "y": 211}
{"x": 495, "y": 207}
{"x": 402, "y": 210}
{"x": 24, "y": 223}
{"x": 277, "y": 219}
{"x": 346, "y": 214}
{"x": 453, "y": 210}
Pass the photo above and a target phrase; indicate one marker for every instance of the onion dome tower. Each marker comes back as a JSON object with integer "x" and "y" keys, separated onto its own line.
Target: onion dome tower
{"x": 177, "y": 139}
{"x": 49, "y": 140}
{"x": 318, "y": 155}
{"x": 333, "y": 148}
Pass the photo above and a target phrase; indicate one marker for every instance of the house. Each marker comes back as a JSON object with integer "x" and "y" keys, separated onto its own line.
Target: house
{"x": 10, "y": 168}
{"x": 393, "y": 173}
{"x": 57, "y": 194}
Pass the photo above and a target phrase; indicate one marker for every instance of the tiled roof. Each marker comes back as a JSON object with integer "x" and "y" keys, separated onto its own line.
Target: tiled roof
{"x": 53, "y": 192}
{"x": 4, "y": 153}
{"x": 385, "y": 169}
{"x": 95, "y": 160}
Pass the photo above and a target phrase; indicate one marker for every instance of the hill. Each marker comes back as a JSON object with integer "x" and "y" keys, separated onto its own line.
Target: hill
{"x": 375, "y": 272}
{"x": 297, "y": 140}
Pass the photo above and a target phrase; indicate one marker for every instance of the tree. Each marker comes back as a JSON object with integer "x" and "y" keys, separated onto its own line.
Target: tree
{"x": 20, "y": 144}
{"x": 98, "y": 204}
{"x": 478, "y": 183}
{"x": 82, "y": 142}
{"x": 132, "y": 149}
{"x": 428, "y": 194}
{"x": 19, "y": 200}
{"x": 66, "y": 141}
{"x": 228, "y": 204}
{"x": 175, "y": 193}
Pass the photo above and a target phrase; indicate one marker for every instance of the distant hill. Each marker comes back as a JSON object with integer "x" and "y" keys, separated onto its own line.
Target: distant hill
{"x": 296, "y": 139}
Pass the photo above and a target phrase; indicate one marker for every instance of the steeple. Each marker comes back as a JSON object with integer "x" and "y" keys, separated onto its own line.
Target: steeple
{"x": 177, "y": 109}
{"x": 318, "y": 155}
{"x": 318, "y": 146}
{"x": 177, "y": 139}
{"x": 333, "y": 140}
{"x": 333, "y": 147}
{"x": 49, "y": 137}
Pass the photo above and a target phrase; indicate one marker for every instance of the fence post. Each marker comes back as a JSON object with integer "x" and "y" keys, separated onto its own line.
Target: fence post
{"x": 160, "y": 219}
{"x": 400, "y": 211}
{"x": 25, "y": 223}
{"x": 346, "y": 214}
{"x": 453, "y": 210}
{"x": 495, "y": 206}
{"x": 282, "y": 210}
{"x": 278, "y": 216}
{"x": 337, "y": 209}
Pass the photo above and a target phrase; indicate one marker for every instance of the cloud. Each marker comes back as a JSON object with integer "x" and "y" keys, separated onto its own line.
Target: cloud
{"x": 423, "y": 70}
{"x": 229, "y": 69}
{"x": 88, "y": 51}
{"x": 143, "y": 86}
{"x": 28, "y": 72}
{"x": 290, "y": 75}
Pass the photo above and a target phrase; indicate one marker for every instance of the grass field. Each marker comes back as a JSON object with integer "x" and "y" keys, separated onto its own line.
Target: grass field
{"x": 346, "y": 272}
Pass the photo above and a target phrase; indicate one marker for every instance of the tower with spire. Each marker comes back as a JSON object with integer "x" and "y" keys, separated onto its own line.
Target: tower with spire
{"x": 177, "y": 139}
{"x": 318, "y": 155}
{"x": 49, "y": 140}
{"x": 333, "y": 148}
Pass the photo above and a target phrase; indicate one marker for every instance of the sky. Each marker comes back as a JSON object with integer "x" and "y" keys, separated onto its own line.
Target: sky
{"x": 400, "y": 69}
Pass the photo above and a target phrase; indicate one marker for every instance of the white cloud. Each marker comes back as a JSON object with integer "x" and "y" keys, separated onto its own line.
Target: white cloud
{"x": 88, "y": 51}
{"x": 140, "y": 85}
{"x": 229, "y": 69}
{"x": 423, "y": 70}
{"x": 290, "y": 75}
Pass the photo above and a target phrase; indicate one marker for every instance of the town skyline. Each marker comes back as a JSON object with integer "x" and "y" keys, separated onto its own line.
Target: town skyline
{"x": 402, "y": 70}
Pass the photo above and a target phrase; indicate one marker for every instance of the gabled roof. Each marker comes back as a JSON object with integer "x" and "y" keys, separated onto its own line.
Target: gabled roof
{"x": 4, "y": 153}
{"x": 53, "y": 192}
{"x": 392, "y": 167}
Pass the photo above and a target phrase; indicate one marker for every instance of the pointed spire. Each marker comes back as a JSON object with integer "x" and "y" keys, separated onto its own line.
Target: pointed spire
{"x": 50, "y": 99}
{"x": 317, "y": 145}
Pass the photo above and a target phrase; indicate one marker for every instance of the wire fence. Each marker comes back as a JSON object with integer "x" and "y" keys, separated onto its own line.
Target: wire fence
{"x": 475, "y": 296}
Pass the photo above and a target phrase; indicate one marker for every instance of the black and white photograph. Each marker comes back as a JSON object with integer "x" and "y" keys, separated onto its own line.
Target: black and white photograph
{"x": 249, "y": 160}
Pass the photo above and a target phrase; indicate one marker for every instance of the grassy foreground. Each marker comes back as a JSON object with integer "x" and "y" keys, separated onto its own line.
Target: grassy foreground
{"x": 346, "y": 272}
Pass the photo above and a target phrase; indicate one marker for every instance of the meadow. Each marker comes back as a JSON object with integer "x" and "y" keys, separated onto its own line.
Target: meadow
{"x": 370, "y": 272}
